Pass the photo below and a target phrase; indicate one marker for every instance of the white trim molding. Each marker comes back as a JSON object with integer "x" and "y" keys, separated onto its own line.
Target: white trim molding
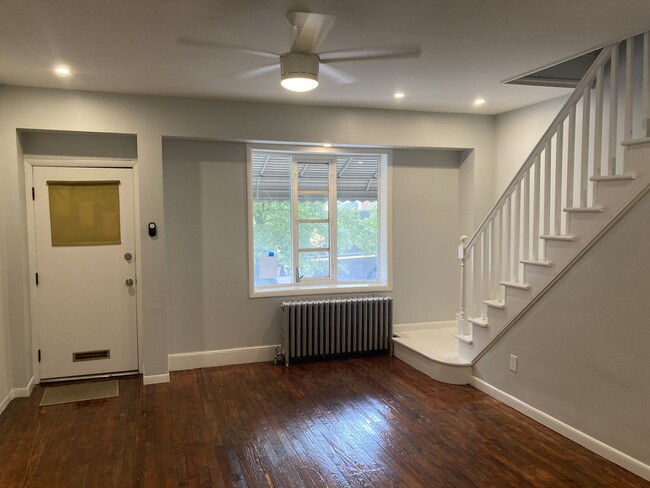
{"x": 24, "y": 392}
{"x": 5, "y": 402}
{"x": 442, "y": 324}
{"x": 18, "y": 393}
{"x": 221, "y": 357}
{"x": 594, "y": 445}
{"x": 154, "y": 379}
{"x": 316, "y": 286}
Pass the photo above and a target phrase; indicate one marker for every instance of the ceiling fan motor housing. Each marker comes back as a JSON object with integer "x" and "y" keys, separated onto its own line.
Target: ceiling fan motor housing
{"x": 305, "y": 65}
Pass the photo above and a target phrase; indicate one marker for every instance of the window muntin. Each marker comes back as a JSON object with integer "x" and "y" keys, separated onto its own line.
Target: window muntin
{"x": 313, "y": 223}
{"x": 338, "y": 220}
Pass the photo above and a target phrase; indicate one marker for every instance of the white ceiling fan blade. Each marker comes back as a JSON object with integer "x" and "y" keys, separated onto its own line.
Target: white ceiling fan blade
{"x": 252, "y": 73}
{"x": 206, "y": 43}
{"x": 387, "y": 52}
{"x": 309, "y": 30}
{"x": 337, "y": 75}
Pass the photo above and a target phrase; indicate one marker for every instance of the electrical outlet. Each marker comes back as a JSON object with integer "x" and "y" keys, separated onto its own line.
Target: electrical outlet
{"x": 513, "y": 363}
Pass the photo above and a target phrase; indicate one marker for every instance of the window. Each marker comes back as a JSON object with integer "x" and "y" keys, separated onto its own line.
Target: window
{"x": 84, "y": 213}
{"x": 318, "y": 221}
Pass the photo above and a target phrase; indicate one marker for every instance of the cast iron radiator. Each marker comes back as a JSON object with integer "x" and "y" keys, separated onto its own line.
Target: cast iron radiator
{"x": 325, "y": 328}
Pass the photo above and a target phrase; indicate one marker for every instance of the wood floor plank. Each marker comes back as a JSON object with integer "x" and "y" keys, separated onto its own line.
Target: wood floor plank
{"x": 372, "y": 422}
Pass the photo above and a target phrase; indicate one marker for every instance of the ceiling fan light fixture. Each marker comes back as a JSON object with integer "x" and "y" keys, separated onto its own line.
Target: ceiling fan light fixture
{"x": 299, "y": 82}
{"x": 299, "y": 72}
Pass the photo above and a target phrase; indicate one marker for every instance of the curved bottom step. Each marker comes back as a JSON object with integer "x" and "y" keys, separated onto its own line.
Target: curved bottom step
{"x": 434, "y": 353}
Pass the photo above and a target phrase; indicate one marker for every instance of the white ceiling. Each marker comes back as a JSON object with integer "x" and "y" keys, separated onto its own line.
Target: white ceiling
{"x": 468, "y": 47}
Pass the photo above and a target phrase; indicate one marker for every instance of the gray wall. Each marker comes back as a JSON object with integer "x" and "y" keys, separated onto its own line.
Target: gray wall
{"x": 150, "y": 119}
{"x": 517, "y": 132}
{"x": 207, "y": 253}
{"x": 583, "y": 348}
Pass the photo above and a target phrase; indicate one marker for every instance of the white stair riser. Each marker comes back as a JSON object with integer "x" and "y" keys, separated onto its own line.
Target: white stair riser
{"x": 468, "y": 351}
{"x": 561, "y": 252}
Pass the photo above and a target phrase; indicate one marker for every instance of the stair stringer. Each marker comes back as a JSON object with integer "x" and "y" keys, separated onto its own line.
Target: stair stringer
{"x": 615, "y": 198}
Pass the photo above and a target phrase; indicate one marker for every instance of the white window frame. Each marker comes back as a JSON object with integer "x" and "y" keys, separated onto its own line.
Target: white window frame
{"x": 331, "y": 218}
{"x": 315, "y": 286}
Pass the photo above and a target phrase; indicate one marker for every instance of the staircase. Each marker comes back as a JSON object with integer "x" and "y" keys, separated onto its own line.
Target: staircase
{"x": 589, "y": 168}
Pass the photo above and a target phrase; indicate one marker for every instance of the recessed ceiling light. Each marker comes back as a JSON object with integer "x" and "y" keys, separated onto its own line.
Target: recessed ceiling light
{"x": 62, "y": 70}
{"x": 480, "y": 101}
{"x": 399, "y": 95}
{"x": 327, "y": 144}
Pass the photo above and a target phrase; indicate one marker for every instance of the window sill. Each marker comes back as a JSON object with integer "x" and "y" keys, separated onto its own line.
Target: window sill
{"x": 290, "y": 291}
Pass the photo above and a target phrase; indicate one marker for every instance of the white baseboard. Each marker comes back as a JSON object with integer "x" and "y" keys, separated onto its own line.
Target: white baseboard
{"x": 5, "y": 402}
{"x": 222, "y": 357}
{"x": 24, "y": 392}
{"x": 443, "y": 324}
{"x": 17, "y": 393}
{"x": 154, "y": 379}
{"x": 600, "y": 448}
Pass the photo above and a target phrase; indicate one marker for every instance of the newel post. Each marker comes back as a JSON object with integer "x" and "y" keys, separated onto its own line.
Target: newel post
{"x": 461, "y": 256}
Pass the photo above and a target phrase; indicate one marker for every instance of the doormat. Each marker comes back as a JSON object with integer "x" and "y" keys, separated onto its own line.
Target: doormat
{"x": 79, "y": 392}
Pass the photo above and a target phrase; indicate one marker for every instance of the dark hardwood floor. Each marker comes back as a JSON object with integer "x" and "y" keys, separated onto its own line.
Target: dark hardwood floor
{"x": 372, "y": 422}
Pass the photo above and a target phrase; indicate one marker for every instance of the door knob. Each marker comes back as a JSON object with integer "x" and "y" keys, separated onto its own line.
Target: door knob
{"x": 129, "y": 282}
{"x": 128, "y": 256}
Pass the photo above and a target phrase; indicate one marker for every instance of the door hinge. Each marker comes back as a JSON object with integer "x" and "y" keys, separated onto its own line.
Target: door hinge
{"x": 33, "y": 193}
{"x": 39, "y": 355}
{"x": 36, "y": 279}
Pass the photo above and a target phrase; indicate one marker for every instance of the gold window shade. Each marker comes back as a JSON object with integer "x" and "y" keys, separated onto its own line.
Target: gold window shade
{"x": 84, "y": 213}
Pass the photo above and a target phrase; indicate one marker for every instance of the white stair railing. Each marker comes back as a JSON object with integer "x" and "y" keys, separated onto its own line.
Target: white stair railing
{"x": 583, "y": 145}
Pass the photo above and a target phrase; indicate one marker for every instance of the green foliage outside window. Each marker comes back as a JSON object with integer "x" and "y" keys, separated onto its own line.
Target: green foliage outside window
{"x": 357, "y": 230}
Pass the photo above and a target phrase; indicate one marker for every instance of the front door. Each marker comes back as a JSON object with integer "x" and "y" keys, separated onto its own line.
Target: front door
{"x": 85, "y": 263}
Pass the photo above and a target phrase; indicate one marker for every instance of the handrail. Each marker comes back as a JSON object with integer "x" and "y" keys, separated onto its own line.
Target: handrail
{"x": 573, "y": 99}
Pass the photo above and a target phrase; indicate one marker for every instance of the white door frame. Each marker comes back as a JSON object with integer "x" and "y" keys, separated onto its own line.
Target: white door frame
{"x": 29, "y": 164}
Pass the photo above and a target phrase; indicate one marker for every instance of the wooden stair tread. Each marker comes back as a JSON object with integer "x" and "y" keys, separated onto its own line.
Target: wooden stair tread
{"x": 495, "y": 304}
{"x": 466, "y": 338}
{"x": 623, "y": 177}
{"x": 478, "y": 321}
{"x": 558, "y": 238}
{"x": 583, "y": 209}
{"x": 516, "y": 284}
{"x": 533, "y": 262}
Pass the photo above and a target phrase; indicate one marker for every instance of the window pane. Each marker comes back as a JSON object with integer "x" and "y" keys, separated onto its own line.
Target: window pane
{"x": 271, "y": 185}
{"x": 314, "y": 264}
{"x": 313, "y": 236}
{"x": 312, "y": 207}
{"x": 84, "y": 213}
{"x": 313, "y": 177}
{"x": 357, "y": 218}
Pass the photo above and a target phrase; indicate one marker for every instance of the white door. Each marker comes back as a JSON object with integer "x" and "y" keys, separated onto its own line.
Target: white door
{"x": 85, "y": 253}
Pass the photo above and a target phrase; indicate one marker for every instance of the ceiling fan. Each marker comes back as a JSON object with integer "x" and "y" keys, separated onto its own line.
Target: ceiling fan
{"x": 299, "y": 67}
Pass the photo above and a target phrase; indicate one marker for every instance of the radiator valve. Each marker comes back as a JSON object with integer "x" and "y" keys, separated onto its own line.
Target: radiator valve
{"x": 279, "y": 356}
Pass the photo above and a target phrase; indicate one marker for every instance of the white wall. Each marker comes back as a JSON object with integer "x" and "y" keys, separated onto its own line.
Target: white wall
{"x": 152, "y": 118}
{"x": 207, "y": 254}
{"x": 583, "y": 348}
{"x": 517, "y": 133}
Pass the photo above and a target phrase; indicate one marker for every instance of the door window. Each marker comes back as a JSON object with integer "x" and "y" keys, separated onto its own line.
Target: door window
{"x": 84, "y": 213}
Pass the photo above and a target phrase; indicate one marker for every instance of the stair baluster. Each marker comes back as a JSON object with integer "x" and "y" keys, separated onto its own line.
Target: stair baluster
{"x": 557, "y": 184}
